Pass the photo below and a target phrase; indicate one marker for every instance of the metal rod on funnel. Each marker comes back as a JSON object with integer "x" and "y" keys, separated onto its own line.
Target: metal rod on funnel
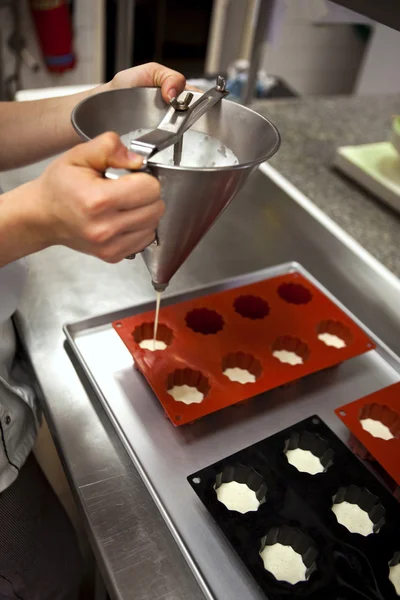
{"x": 178, "y": 151}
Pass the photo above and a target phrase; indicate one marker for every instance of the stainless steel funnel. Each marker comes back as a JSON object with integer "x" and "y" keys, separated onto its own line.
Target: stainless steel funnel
{"x": 194, "y": 197}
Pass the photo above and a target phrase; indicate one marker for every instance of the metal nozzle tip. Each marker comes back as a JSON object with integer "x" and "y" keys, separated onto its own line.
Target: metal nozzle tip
{"x": 159, "y": 287}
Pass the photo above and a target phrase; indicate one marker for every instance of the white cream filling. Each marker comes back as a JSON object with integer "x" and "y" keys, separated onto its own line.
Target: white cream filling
{"x": 152, "y": 345}
{"x": 354, "y": 518}
{"x": 376, "y": 429}
{"x": 186, "y": 394}
{"x": 332, "y": 340}
{"x": 237, "y": 496}
{"x": 290, "y": 358}
{"x": 284, "y": 563}
{"x": 394, "y": 576}
{"x": 304, "y": 461}
{"x": 239, "y": 375}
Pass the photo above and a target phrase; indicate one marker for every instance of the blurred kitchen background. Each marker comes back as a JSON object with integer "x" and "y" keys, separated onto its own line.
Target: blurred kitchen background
{"x": 310, "y": 47}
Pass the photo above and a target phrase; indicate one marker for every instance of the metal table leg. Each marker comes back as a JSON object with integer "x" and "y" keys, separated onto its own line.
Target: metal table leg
{"x": 265, "y": 8}
{"x": 124, "y": 34}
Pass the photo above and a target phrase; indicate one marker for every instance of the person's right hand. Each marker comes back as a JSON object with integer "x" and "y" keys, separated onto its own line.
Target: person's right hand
{"x": 77, "y": 207}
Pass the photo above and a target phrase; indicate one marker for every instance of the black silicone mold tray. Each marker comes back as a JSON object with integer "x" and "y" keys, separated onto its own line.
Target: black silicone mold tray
{"x": 296, "y": 510}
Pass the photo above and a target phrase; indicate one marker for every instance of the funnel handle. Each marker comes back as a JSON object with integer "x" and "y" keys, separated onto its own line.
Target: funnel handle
{"x": 116, "y": 174}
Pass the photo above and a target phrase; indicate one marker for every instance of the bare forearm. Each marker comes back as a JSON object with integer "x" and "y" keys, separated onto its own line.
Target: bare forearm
{"x": 31, "y": 131}
{"x": 20, "y": 227}
{"x": 34, "y": 130}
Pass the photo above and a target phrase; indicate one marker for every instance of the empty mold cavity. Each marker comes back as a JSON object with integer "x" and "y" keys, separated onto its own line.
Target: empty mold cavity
{"x": 143, "y": 336}
{"x": 358, "y": 510}
{"x": 308, "y": 452}
{"x": 205, "y": 321}
{"x": 240, "y": 489}
{"x": 187, "y": 386}
{"x": 294, "y": 293}
{"x": 380, "y": 421}
{"x": 251, "y": 307}
{"x": 394, "y": 572}
{"x": 288, "y": 554}
{"x": 241, "y": 368}
{"x": 290, "y": 350}
{"x": 334, "y": 334}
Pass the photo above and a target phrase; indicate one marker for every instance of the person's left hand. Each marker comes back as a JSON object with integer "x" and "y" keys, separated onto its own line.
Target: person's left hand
{"x": 171, "y": 82}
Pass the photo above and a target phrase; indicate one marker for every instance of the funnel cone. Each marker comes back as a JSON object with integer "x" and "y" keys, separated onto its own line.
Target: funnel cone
{"x": 194, "y": 196}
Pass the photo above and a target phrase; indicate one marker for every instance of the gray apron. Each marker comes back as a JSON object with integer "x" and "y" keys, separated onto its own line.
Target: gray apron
{"x": 39, "y": 555}
{"x": 19, "y": 415}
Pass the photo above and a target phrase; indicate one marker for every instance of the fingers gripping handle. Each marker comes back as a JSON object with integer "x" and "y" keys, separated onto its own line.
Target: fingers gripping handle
{"x": 116, "y": 174}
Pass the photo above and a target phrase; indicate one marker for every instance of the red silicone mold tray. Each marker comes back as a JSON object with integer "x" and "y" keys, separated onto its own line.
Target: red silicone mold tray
{"x": 240, "y": 328}
{"x": 382, "y": 407}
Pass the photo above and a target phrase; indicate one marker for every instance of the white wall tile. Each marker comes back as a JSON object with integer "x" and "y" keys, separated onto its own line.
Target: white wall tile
{"x": 317, "y": 83}
{"x": 380, "y": 72}
{"x": 313, "y": 58}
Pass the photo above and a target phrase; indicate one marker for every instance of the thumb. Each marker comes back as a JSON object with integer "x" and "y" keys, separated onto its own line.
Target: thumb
{"x": 103, "y": 152}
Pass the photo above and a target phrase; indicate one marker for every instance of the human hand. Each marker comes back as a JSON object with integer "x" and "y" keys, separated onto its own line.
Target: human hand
{"x": 171, "y": 82}
{"x": 77, "y": 207}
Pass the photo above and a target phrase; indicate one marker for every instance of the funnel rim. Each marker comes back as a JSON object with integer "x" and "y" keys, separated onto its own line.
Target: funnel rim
{"x": 244, "y": 165}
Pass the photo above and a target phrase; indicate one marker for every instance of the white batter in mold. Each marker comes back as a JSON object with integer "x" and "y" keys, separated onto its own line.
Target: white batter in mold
{"x": 332, "y": 340}
{"x": 376, "y": 429}
{"x": 289, "y": 358}
{"x": 304, "y": 461}
{"x": 187, "y": 394}
{"x": 152, "y": 345}
{"x": 284, "y": 563}
{"x": 239, "y": 375}
{"x": 354, "y": 518}
{"x": 394, "y": 576}
{"x": 237, "y": 496}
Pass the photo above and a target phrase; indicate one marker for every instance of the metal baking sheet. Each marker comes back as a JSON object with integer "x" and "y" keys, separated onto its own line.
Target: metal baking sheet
{"x": 165, "y": 455}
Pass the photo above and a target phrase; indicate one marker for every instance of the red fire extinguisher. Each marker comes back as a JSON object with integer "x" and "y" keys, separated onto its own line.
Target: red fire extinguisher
{"x": 53, "y": 25}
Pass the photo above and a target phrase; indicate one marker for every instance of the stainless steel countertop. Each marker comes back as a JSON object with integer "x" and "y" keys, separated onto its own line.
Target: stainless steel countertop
{"x": 264, "y": 226}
